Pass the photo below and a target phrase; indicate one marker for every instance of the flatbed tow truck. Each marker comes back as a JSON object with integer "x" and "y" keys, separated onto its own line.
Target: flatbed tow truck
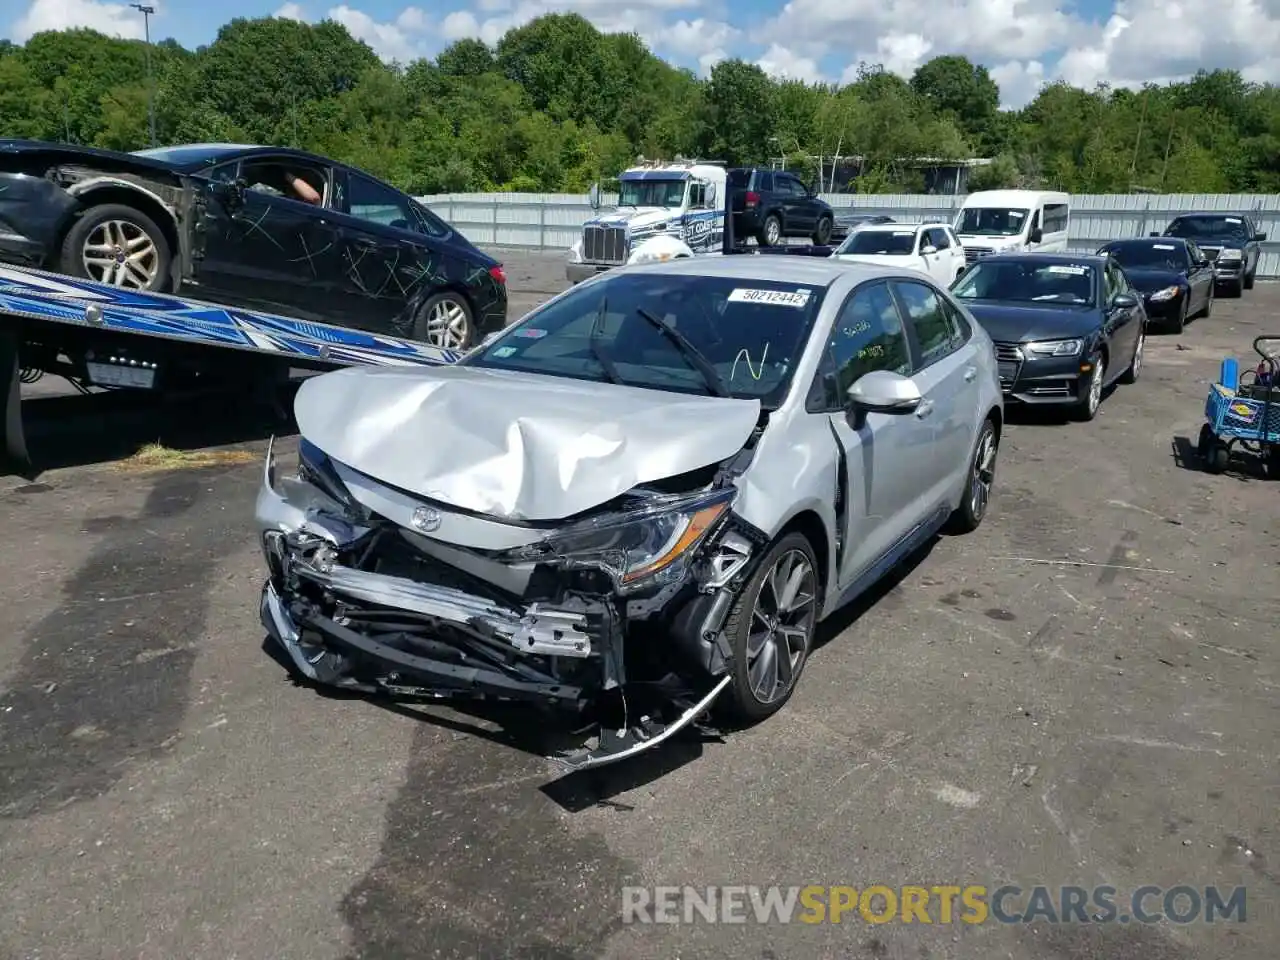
{"x": 97, "y": 335}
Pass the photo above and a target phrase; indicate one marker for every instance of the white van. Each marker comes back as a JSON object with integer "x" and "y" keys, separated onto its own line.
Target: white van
{"x": 1001, "y": 221}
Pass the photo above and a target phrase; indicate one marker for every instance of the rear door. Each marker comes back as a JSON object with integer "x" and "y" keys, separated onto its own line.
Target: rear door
{"x": 887, "y": 455}
{"x": 946, "y": 371}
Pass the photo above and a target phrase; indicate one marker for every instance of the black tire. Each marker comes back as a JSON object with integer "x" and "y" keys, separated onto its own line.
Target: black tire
{"x": 1208, "y": 304}
{"x": 1178, "y": 323}
{"x": 1134, "y": 370}
{"x": 772, "y": 225}
{"x": 1249, "y": 279}
{"x": 97, "y": 224}
{"x": 740, "y": 701}
{"x": 1235, "y": 289}
{"x": 967, "y": 517}
{"x": 1218, "y": 457}
{"x": 459, "y": 331}
{"x": 822, "y": 235}
{"x": 1087, "y": 406}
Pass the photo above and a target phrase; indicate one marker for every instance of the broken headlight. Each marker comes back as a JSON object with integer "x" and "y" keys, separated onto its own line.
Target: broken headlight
{"x": 315, "y": 468}
{"x": 637, "y": 548}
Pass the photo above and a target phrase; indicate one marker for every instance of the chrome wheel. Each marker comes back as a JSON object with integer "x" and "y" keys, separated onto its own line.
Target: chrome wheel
{"x": 1135, "y": 367}
{"x": 1095, "y": 386}
{"x": 121, "y": 254}
{"x": 781, "y": 625}
{"x": 772, "y": 231}
{"x": 984, "y": 475}
{"x": 448, "y": 325}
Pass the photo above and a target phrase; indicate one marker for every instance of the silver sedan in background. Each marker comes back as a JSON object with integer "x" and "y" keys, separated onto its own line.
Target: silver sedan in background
{"x": 638, "y": 502}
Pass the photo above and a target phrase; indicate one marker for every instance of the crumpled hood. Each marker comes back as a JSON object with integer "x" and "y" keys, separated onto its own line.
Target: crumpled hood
{"x": 514, "y": 445}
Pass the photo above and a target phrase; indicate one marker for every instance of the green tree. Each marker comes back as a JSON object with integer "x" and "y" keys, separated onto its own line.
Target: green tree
{"x": 741, "y": 109}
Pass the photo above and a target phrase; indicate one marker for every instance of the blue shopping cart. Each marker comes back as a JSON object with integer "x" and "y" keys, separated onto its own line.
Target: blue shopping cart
{"x": 1243, "y": 410}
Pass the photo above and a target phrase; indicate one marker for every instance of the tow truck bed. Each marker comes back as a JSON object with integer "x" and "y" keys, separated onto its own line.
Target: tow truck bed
{"x": 98, "y": 335}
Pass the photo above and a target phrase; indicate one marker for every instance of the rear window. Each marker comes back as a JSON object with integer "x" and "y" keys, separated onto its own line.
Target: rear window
{"x": 752, "y": 332}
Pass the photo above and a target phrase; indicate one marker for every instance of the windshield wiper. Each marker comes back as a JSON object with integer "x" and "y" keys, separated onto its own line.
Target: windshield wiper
{"x": 692, "y": 355}
{"x": 597, "y": 349}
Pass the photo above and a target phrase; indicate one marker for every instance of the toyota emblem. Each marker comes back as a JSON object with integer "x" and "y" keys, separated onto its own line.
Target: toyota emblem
{"x": 425, "y": 519}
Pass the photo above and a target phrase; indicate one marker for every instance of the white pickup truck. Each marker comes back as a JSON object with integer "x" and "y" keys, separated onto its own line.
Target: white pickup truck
{"x": 931, "y": 248}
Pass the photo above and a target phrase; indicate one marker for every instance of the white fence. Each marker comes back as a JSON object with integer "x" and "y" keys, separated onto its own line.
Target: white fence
{"x": 554, "y": 220}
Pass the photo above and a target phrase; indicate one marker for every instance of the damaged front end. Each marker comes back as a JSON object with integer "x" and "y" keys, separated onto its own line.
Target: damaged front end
{"x": 613, "y": 617}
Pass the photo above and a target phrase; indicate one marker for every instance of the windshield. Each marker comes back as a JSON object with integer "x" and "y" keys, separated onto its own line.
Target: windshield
{"x": 991, "y": 222}
{"x": 1219, "y": 228}
{"x": 651, "y": 193}
{"x": 751, "y": 332}
{"x": 193, "y": 155}
{"x": 1141, "y": 255}
{"x": 1020, "y": 281}
{"x": 879, "y": 242}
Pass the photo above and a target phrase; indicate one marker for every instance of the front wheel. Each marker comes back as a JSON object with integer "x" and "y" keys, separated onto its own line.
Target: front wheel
{"x": 117, "y": 245}
{"x": 1248, "y": 280}
{"x": 1087, "y": 406}
{"x": 770, "y": 629}
{"x": 822, "y": 236}
{"x": 445, "y": 321}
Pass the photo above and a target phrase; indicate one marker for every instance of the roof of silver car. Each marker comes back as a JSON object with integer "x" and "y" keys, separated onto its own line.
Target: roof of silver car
{"x": 780, "y": 268}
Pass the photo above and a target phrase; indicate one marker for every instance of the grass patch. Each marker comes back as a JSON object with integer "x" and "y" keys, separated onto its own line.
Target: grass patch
{"x": 155, "y": 457}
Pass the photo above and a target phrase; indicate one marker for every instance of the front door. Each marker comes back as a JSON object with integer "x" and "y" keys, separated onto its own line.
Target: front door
{"x": 888, "y": 456}
{"x": 263, "y": 246}
{"x": 1124, "y": 324}
{"x": 800, "y": 210}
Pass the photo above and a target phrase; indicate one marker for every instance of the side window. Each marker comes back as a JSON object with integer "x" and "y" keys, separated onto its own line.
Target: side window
{"x": 957, "y": 320}
{"x": 868, "y": 335}
{"x": 697, "y": 196}
{"x": 792, "y": 187}
{"x": 377, "y": 203}
{"x": 288, "y": 179}
{"x": 938, "y": 237}
{"x": 1055, "y": 217}
{"x": 764, "y": 181}
{"x": 935, "y": 328}
{"x": 224, "y": 172}
{"x": 1111, "y": 284}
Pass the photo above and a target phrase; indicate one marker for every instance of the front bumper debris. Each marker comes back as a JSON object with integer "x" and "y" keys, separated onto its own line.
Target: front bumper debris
{"x": 338, "y": 603}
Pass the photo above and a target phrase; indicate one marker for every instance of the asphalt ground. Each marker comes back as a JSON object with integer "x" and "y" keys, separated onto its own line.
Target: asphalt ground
{"x": 989, "y": 717}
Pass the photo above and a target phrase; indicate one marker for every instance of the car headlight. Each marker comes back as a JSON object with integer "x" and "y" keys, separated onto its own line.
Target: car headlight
{"x": 1168, "y": 293}
{"x": 315, "y": 468}
{"x": 1231, "y": 254}
{"x": 638, "y": 548}
{"x": 1054, "y": 348}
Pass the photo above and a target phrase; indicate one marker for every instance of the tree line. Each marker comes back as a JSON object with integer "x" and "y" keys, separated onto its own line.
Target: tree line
{"x": 557, "y": 105}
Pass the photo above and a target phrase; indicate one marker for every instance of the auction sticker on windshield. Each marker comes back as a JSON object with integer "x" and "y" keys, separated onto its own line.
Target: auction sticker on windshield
{"x": 1071, "y": 270}
{"x": 1163, "y": 246}
{"x": 781, "y": 298}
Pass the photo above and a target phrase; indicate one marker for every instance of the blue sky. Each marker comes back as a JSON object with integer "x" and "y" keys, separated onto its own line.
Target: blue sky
{"x": 1023, "y": 42}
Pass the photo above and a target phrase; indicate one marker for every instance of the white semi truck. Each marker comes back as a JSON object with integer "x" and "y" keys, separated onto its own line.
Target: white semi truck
{"x": 666, "y": 209}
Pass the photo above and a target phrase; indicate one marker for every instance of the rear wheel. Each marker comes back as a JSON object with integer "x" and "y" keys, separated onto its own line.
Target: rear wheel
{"x": 770, "y": 629}
{"x": 117, "y": 245}
{"x": 445, "y": 321}
{"x": 822, "y": 236}
{"x": 977, "y": 490}
{"x": 770, "y": 231}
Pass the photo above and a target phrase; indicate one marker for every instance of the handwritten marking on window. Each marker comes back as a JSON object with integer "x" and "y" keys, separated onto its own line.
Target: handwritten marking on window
{"x": 755, "y": 372}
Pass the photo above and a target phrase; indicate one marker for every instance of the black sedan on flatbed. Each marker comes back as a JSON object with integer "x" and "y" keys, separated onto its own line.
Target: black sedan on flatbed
{"x": 1174, "y": 276}
{"x": 1065, "y": 327}
{"x": 261, "y": 228}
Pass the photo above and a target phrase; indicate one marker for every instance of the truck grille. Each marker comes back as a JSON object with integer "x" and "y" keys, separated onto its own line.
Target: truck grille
{"x": 1009, "y": 362}
{"x": 974, "y": 253}
{"x": 1211, "y": 252}
{"x": 604, "y": 244}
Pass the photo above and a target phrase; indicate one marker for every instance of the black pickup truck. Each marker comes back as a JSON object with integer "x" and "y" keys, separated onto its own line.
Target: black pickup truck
{"x": 1231, "y": 241}
{"x": 772, "y": 204}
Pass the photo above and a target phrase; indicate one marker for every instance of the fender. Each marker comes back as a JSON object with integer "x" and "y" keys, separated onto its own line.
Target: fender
{"x": 178, "y": 202}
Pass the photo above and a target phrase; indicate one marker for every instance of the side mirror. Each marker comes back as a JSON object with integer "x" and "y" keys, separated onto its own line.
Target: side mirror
{"x": 593, "y": 196}
{"x": 1260, "y": 237}
{"x": 1036, "y": 235}
{"x": 883, "y": 391}
{"x": 1124, "y": 301}
{"x": 928, "y": 248}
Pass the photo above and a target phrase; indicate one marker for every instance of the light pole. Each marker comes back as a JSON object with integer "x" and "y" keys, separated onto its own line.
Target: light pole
{"x": 146, "y": 12}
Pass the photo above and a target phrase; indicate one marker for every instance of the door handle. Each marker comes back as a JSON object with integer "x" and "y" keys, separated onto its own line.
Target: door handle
{"x": 365, "y": 244}
{"x": 969, "y": 374}
{"x": 925, "y": 408}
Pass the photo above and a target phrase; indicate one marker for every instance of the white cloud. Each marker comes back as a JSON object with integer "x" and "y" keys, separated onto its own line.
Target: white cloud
{"x": 1019, "y": 82}
{"x": 781, "y": 62}
{"x": 291, "y": 11}
{"x": 406, "y": 38}
{"x": 113, "y": 19}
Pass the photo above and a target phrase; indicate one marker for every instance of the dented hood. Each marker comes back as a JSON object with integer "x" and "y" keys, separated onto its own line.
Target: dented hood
{"x": 514, "y": 445}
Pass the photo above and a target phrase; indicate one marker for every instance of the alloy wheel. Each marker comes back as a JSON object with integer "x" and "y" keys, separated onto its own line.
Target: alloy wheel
{"x": 1136, "y": 368}
{"x": 781, "y": 626}
{"x": 447, "y": 325}
{"x": 1095, "y": 386}
{"x": 984, "y": 475}
{"x": 122, "y": 254}
{"x": 772, "y": 231}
